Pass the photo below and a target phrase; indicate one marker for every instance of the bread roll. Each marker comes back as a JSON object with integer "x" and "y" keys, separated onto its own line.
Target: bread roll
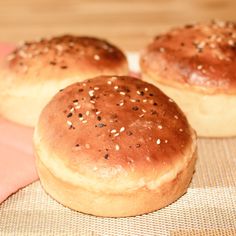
{"x": 35, "y": 71}
{"x": 114, "y": 146}
{"x": 196, "y": 66}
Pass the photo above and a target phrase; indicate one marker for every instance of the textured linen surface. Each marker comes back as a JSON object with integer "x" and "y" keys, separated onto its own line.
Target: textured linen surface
{"x": 208, "y": 208}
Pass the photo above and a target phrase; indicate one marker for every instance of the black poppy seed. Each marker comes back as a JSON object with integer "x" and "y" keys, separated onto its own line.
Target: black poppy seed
{"x": 155, "y": 104}
{"x": 100, "y": 125}
{"x": 141, "y": 93}
{"x": 182, "y": 44}
{"x": 135, "y": 108}
{"x": 153, "y": 112}
{"x": 106, "y": 156}
{"x": 80, "y": 90}
{"x": 80, "y": 115}
{"x": 77, "y": 145}
{"x": 129, "y": 133}
{"x": 151, "y": 94}
{"x": 130, "y": 146}
{"x": 76, "y": 100}
{"x": 69, "y": 115}
{"x": 99, "y": 118}
{"x": 61, "y": 90}
{"x": 137, "y": 145}
{"x": 53, "y": 63}
{"x": 64, "y": 67}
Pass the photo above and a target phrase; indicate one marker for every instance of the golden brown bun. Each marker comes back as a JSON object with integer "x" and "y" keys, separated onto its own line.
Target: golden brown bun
{"x": 35, "y": 71}
{"x": 114, "y": 146}
{"x": 196, "y": 66}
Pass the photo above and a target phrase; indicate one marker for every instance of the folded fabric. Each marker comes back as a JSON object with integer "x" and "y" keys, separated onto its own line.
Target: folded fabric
{"x": 17, "y": 162}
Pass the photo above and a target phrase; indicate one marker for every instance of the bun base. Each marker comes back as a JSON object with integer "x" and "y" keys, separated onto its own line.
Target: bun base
{"x": 104, "y": 204}
{"x": 211, "y": 115}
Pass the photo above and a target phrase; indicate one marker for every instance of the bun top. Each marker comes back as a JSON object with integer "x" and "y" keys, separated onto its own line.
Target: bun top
{"x": 66, "y": 56}
{"x": 201, "y": 55}
{"x": 115, "y": 129}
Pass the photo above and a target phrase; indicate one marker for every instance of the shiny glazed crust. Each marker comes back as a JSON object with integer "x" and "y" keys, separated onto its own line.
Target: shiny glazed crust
{"x": 36, "y": 70}
{"x": 199, "y": 57}
{"x": 112, "y": 138}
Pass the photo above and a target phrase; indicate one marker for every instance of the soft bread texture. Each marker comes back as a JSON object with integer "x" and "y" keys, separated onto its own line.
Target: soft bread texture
{"x": 114, "y": 146}
{"x": 196, "y": 66}
{"x": 32, "y": 74}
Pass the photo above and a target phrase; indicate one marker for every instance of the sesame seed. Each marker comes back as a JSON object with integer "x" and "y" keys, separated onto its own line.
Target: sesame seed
{"x": 199, "y": 67}
{"x": 122, "y": 129}
{"x": 100, "y": 125}
{"x": 69, "y": 115}
{"x": 116, "y": 134}
{"x": 77, "y": 107}
{"x": 96, "y": 57}
{"x": 116, "y": 87}
{"x": 129, "y": 133}
{"x": 91, "y": 93}
{"x": 109, "y": 82}
{"x": 87, "y": 113}
{"x": 143, "y": 110}
{"x": 113, "y": 131}
{"x": 135, "y": 108}
{"x": 98, "y": 112}
{"x": 59, "y": 48}
{"x": 144, "y": 100}
{"x": 162, "y": 49}
{"x": 122, "y": 93}
{"x": 170, "y": 100}
{"x": 92, "y": 101}
{"x": 231, "y": 42}
{"x": 181, "y": 130}
{"x": 141, "y": 115}
{"x": 176, "y": 117}
{"x": 138, "y": 92}
{"x": 96, "y": 88}
{"x": 84, "y": 121}
{"x": 137, "y": 145}
{"x": 87, "y": 145}
{"x": 166, "y": 141}
{"x": 121, "y": 103}
{"x": 117, "y": 147}
{"x": 158, "y": 141}
{"x": 11, "y": 57}
{"x": 146, "y": 89}
{"x": 69, "y": 123}
{"x": 22, "y": 54}
{"x": 148, "y": 158}
{"x": 159, "y": 126}
{"x": 133, "y": 100}
{"x": 72, "y": 109}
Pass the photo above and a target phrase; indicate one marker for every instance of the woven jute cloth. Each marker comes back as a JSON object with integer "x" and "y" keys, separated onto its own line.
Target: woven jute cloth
{"x": 208, "y": 208}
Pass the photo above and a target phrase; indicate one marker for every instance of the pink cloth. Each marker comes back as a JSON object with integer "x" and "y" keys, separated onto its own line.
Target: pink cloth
{"x": 17, "y": 162}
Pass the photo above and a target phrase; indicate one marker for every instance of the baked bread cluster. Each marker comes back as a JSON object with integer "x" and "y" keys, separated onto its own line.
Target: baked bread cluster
{"x": 114, "y": 146}
{"x": 111, "y": 145}
{"x": 196, "y": 66}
